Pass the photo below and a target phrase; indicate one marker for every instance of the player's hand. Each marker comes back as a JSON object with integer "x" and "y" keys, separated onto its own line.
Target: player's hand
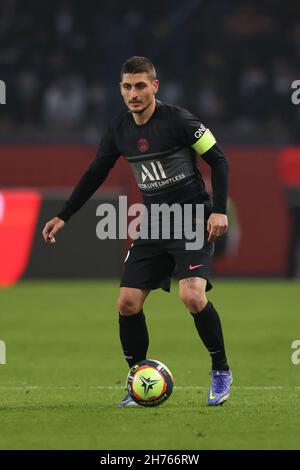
{"x": 217, "y": 225}
{"x": 51, "y": 228}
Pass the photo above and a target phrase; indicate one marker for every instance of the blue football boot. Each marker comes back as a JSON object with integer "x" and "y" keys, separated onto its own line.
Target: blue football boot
{"x": 127, "y": 401}
{"x": 220, "y": 387}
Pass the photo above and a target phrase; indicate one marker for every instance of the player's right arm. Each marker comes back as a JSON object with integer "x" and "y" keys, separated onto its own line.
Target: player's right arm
{"x": 106, "y": 157}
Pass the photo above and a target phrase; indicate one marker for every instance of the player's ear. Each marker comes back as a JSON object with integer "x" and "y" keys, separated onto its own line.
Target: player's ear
{"x": 155, "y": 86}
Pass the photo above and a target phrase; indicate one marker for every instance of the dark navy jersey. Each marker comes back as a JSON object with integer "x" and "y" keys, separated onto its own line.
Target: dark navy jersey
{"x": 162, "y": 154}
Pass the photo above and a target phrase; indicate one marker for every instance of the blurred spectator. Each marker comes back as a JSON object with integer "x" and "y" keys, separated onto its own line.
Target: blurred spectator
{"x": 230, "y": 62}
{"x": 65, "y": 103}
{"x": 253, "y": 93}
{"x": 209, "y": 100}
{"x": 171, "y": 91}
{"x": 64, "y": 21}
{"x": 27, "y": 90}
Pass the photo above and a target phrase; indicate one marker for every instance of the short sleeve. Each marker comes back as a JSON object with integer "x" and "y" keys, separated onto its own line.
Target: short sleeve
{"x": 192, "y": 133}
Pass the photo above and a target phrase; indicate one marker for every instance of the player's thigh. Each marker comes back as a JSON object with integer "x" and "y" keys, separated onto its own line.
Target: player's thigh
{"x": 193, "y": 270}
{"x": 193, "y": 263}
{"x": 192, "y": 285}
{"x": 131, "y": 300}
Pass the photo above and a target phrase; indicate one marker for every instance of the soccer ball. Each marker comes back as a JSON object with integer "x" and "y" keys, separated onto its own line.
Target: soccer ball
{"x": 149, "y": 383}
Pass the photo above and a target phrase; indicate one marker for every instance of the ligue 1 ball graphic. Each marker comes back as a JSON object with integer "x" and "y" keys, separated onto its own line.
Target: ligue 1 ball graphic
{"x": 150, "y": 383}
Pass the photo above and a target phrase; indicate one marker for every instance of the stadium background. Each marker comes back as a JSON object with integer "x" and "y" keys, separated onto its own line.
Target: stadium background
{"x": 232, "y": 63}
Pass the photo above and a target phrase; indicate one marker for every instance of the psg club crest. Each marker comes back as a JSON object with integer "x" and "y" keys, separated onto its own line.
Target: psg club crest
{"x": 143, "y": 145}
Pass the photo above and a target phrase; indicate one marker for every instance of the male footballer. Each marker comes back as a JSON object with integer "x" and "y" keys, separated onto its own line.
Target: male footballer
{"x": 160, "y": 142}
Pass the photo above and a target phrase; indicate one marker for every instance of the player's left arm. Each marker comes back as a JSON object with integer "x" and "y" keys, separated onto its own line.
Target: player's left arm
{"x": 213, "y": 155}
{"x": 194, "y": 134}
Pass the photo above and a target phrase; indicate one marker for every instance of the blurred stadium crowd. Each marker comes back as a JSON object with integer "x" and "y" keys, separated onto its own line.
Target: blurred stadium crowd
{"x": 230, "y": 62}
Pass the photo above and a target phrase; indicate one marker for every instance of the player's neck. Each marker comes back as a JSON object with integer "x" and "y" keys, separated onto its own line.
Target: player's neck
{"x": 142, "y": 118}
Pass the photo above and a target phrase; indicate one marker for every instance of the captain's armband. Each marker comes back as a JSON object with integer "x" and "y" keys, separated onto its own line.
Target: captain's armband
{"x": 205, "y": 141}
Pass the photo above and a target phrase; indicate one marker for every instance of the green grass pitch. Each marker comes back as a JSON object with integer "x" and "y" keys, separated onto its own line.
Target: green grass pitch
{"x": 65, "y": 370}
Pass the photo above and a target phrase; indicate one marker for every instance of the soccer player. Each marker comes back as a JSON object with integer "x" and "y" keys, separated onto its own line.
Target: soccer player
{"x": 160, "y": 142}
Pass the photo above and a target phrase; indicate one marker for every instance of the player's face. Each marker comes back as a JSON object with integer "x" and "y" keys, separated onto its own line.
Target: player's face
{"x": 138, "y": 91}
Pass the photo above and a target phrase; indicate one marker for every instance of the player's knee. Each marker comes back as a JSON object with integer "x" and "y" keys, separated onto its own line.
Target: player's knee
{"x": 194, "y": 301}
{"x": 128, "y": 306}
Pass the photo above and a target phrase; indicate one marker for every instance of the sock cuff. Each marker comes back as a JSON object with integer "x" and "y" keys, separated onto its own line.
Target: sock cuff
{"x": 208, "y": 307}
{"x": 132, "y": 318}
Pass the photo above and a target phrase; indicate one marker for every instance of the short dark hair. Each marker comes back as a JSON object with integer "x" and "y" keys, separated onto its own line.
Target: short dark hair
{"x": 138, "y": 64}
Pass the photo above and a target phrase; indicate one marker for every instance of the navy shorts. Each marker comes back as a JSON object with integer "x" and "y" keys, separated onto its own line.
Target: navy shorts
{"x": 150, "y": 264}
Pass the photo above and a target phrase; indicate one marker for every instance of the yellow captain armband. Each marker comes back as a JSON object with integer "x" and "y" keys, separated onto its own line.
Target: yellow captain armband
{"x": 205, "y": 142}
